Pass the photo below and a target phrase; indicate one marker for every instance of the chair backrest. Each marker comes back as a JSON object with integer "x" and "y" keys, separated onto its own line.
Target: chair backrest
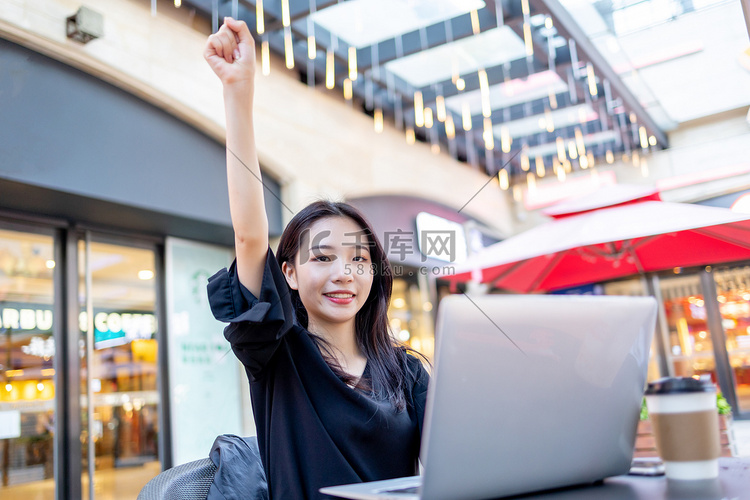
{"x": 190, "y": 481}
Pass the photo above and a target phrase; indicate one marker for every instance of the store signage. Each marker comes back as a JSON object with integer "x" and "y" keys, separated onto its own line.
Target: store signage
{"x": 110, "y": 328}
{"x": 26, "y": 319}
{"x": 441, "y": 238}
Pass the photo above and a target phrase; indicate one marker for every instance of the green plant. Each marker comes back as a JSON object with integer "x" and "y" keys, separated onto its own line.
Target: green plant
{"x": 722, "y": 406}
{"x": 644, "y": 410}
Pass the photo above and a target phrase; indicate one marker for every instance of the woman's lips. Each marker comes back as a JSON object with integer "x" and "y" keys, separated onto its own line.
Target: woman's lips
{"x": 340, "y": 298}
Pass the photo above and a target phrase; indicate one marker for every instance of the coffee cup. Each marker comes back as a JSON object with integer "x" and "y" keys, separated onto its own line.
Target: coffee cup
{"x": 685, "y": 422}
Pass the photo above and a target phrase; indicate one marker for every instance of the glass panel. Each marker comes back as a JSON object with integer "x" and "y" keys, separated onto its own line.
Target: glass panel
{"x": 364, "y": 22}
{"x": 485, "y": 50}
{"x": 733, "y": 288}
{"x": 27, "y": 350}
{"x": 690, "y": 350}
{"x": 124, "y": 369}
{"x": 410, "y": 317}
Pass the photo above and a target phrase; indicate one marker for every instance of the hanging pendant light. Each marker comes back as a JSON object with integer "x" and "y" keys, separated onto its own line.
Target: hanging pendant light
{"x": 552, "y": 99}
{"x": 502, "y": 178}
{"x": 450, "y": 128}
{"x": 475, "y": 22}
{"x": 572, "y": 153}
{"x": 531, "y": 181}
{"x": 517, "y": 193}
{"x": 560, "y": 142}
{"x": 505, "y": 139}
{"x": 352, "y": 63}
{"x": 466, "y": 116}
{"x": 288, "y": 48}
{"x": 579, "y": 142}
{"x": 348, "y": 91}
{"x": 583, "y": 161}
{"x": 440, "y": 105}
{"x": 411, "y": 138}
{"x": 484, "y": 90}
{"x": 330, "y": 70}
{"x": 265, "y": 57}
{"x": 643, "y": 136}
{"x": 528, "y": 42}
{"x": 428, "y": 122}
{"x": 285, "y": 19}
{"x": 312, "y": 49}
{"x": 260, "y": 25}
{"x": 418, "y": 109}
{"x": 540, "y": 170}
{"x": 487, "y": 135}
{"x": 378, "y": 120}
{"x": 591, "y": 79}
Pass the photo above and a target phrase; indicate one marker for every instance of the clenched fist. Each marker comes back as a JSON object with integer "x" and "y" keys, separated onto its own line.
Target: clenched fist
{"x": 231, "y": 53}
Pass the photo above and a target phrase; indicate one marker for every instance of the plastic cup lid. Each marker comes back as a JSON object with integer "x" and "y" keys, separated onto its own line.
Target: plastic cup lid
{"x": 680, "y": 385}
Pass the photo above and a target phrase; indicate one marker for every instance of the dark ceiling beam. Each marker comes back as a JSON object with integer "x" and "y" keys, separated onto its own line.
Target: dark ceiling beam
{"x": 567, "y": 27}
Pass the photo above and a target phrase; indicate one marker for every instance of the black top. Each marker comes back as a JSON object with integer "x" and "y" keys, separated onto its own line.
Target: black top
{"x": 313, "y": 429}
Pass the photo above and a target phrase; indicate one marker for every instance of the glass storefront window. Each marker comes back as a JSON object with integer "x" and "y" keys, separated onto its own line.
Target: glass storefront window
{"x": 410, "y": 316}
{"x": 27, "y": 351}
{"x": 125, "y": 423}
{"x": 690, "y": 349}
{"x": 733, "y": 289}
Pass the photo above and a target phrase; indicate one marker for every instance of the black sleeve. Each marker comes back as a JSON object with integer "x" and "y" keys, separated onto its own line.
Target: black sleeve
{"x": 256, "y": 325}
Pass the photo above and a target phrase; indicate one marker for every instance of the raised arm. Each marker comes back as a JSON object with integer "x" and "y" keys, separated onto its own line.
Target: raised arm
{"x": 231, "y": 54}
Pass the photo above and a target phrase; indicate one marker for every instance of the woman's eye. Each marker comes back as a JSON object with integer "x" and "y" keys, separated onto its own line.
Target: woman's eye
{"x": 322, "y": 258}
{"x": 360, "y": 258}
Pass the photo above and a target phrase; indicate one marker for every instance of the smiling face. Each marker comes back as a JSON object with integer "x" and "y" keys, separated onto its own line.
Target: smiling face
{"x": 332, "y": 273}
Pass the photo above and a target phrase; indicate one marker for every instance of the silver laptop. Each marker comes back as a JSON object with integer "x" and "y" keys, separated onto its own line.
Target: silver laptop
{"x": 528, "y": 393}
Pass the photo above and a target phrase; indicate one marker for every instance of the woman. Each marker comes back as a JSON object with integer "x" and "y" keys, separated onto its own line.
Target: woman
{"x": 335, "y": 400}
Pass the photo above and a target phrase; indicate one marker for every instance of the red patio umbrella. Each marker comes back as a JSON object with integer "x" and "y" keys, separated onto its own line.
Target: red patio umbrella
{"x": 594, "y": 244}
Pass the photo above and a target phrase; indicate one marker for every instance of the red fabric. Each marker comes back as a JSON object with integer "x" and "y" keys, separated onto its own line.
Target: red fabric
{"x": 596, "y": 263}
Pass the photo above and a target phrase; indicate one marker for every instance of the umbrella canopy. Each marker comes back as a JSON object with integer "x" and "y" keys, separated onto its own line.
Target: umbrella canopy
{"x": 607, "y": 243}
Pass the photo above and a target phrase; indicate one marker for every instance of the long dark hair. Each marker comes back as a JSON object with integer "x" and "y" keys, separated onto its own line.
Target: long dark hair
{"x": 386, "y": 360}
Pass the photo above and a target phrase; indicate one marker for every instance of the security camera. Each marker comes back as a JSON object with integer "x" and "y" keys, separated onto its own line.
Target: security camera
{"x": 85, "y": 25}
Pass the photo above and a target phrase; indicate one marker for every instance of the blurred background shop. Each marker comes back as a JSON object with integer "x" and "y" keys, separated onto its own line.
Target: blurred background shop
{"x": 462, "y": 118}
{"x": 113, "y": 214}
{"x": 703, "y": 326}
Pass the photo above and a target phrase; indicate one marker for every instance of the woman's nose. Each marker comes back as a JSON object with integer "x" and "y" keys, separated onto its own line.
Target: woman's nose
{"x": 342, "y": 271}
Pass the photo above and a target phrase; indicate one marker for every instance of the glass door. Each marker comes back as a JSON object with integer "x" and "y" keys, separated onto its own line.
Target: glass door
{"x": 27, "y": 356}
{"x": 118, "y": 323}
{"x": 733, "y": 295}
{"x": 690, "y": 349}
